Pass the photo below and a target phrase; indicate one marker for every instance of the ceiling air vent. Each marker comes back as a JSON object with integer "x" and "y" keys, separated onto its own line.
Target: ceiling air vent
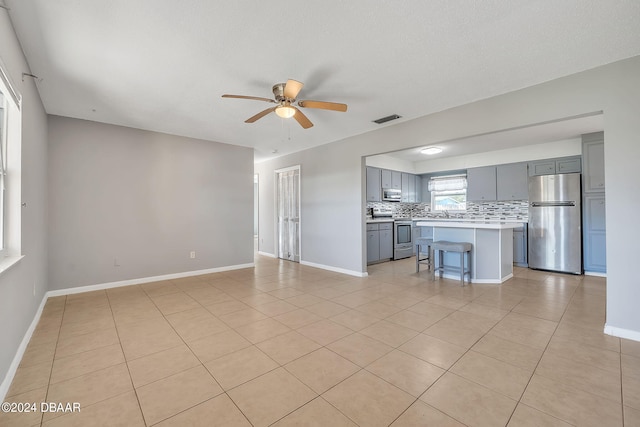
{"x": 387, "y": 119}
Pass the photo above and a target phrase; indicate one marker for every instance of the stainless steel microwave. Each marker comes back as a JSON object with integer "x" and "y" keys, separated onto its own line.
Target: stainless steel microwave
{"x": 391, "y": 195}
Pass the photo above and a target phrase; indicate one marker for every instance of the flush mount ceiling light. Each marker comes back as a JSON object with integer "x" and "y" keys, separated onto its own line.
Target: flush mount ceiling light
{"x": 285, "y": 111}
{"x": 429, "y": 151}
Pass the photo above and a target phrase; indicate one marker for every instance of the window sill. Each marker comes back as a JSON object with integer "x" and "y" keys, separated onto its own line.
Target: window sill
{"x": 9, "y": 262}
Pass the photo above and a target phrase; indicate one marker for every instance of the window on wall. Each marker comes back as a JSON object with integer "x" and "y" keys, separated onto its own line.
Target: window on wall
{"x": 448, "y": 193}
{"x": 10, "y": 163}
{"x": 3, "y": 150}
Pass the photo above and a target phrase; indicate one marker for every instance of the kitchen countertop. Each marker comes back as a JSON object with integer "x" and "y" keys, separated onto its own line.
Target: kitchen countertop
{"x": 440, "y": 221}
{"x": 519, "y": 221}
{"x": 469, "y": 224}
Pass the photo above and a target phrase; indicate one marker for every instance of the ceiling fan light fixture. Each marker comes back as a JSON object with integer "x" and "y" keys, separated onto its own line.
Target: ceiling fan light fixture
{"x": 285, "y": 111}
{"x": 430, "y": 151}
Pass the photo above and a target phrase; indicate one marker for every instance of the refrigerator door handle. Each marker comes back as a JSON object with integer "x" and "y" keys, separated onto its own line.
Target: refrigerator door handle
{"x": 547, "y": 204}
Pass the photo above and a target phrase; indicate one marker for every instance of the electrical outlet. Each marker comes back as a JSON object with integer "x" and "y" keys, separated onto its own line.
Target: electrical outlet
{"x": 192, "y": 255}
{"x": 116, "y": 263}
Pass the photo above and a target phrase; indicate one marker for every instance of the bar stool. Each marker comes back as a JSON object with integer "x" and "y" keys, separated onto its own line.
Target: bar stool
{"x": 423, "y": 241}
{"x": 460, "y": 247}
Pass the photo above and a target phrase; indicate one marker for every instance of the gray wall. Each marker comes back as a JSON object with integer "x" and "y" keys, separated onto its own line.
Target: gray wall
{"x": 326, "y": 184}
{"x": 127, "y": 203}
{"x": 24, "y": 285}
{"x": 333, "y": 235}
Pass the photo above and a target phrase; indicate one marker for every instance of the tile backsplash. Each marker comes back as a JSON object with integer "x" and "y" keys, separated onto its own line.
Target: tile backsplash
{"x": 515, "y": 210}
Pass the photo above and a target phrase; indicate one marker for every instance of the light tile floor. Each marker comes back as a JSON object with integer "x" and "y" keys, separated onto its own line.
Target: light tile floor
{"x": 289, "y": 345}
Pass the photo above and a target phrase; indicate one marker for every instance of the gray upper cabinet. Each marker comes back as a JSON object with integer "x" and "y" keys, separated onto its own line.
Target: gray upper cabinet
{"x": 391, "y": 179}
{"x": 379, "y": 179}
{"x": 405, "y": 187}
{"x": 396, "y": 180}
{"x": 385, "y": 178}
{"x": 553, "y": 166}
{"x": 542, "y": 167}
{"x": 481, "y": 184}
{"x": 569, "y": 165}
{"x": 593, "y": 157}
{"x": 374, "y": 184}
{"x": 425, "y": 194}
{"x": 512, "y": 182}
{"x": 412, "y": 189}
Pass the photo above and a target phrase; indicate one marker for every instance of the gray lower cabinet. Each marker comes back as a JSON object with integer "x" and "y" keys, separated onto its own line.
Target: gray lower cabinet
{"x": 379, "y": 242}
{"x": 386, "y": 241}
{"x": 373, "y": 246}
{"x": 374, "y": 184}
{"x": 512, "y": 182}
{"x": 481, "y": 184}
{"x": 594, "y": 238}
{"x": 520, "y": 247}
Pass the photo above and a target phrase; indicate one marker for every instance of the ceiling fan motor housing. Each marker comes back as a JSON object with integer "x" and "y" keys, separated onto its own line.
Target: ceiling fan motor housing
{"x": 278, "y": 92}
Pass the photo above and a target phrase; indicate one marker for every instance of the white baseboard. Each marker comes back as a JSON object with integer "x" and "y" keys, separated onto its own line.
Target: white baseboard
{"x": 336, "y": 269}
{"x": 478, "y": 281}
{"x": 595, "y": 273}
{"x": 15, "y": 363}
{"x": 622, "y": 333}
{"x": 11, "y": 372}
{"x": 266, "y": 254}
{"x": 88, "y": 288}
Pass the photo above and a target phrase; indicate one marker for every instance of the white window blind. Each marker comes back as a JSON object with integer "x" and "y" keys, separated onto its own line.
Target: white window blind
{"x": 448, "y": 183}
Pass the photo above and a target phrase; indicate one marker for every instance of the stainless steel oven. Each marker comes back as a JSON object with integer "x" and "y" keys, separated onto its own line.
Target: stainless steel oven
{"x": 402, "y": 239}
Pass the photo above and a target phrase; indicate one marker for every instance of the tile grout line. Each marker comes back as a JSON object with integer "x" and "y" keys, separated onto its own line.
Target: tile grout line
{"x": 135, "y": 391}
{"x": 538, "y": 364}
{"x": 46, "y": 397}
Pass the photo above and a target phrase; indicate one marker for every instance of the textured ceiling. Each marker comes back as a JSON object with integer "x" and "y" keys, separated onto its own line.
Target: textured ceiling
{"x": 163, "y": 65}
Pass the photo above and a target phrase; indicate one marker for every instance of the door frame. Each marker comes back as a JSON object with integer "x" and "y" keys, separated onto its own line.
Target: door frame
{"x": 276, "y": 237}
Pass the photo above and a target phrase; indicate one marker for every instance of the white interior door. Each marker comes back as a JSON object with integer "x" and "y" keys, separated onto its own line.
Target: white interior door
{"x": 288, "y": 206}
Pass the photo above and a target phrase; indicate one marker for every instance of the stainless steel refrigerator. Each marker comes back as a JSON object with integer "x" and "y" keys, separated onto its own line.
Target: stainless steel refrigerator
{"x": 555, "y": 225}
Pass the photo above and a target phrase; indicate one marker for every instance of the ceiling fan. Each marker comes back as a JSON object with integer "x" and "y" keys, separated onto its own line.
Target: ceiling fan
{"x": 285, "y": 96}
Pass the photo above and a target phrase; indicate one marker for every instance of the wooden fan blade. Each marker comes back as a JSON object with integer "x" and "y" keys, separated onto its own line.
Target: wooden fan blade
{"x": 302, "y": 119}
{"x": 260, "y": 115}
{"x": 334, "y": 106}
{"x": 292, "y": 89}
{"x": 256, "y": 98}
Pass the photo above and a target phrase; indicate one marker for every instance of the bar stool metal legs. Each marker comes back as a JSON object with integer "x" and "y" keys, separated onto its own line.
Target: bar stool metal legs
{"x": 428, "y": 261}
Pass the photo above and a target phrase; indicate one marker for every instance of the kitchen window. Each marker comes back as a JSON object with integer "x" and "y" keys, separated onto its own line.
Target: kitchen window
{"x": 448, "y": 193}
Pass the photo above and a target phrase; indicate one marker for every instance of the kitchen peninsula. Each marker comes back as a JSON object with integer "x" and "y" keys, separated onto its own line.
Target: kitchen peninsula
{"x": 492, "y": 253}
